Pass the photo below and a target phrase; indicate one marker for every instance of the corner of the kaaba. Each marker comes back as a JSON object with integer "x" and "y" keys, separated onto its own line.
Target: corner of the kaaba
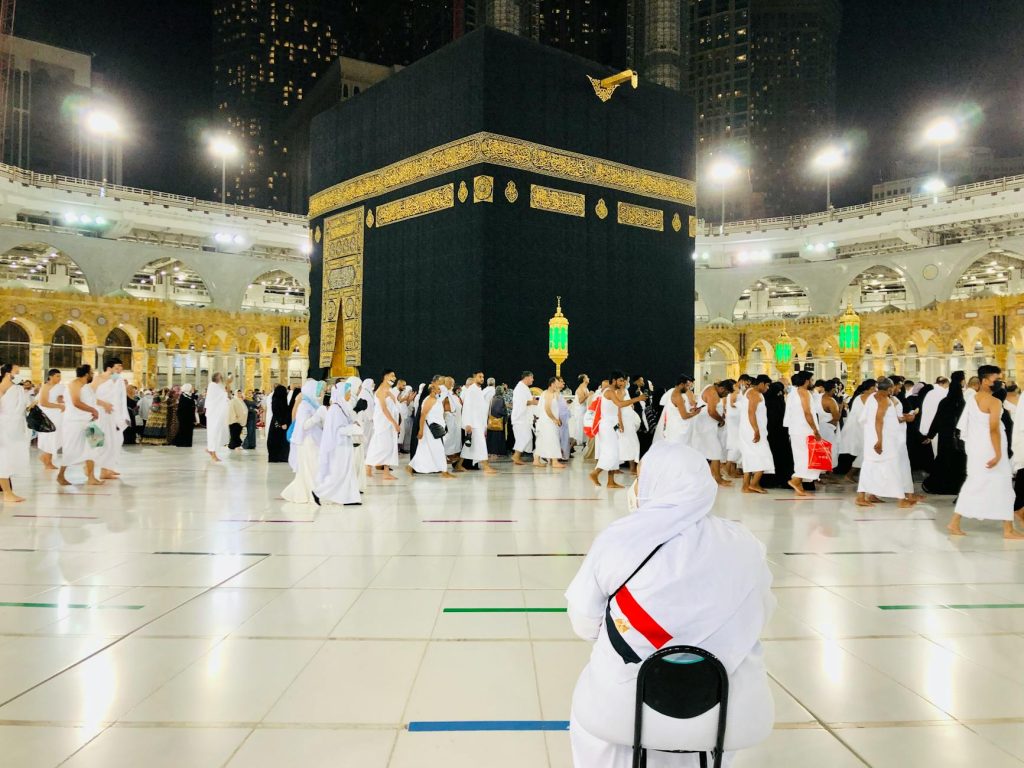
{"x": 458, "y": 198}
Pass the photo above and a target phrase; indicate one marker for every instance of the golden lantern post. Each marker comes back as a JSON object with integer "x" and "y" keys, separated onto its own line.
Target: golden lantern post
{"x": 558, "y": 338}
{"x": 784, "y": 354}
{"x": 849, "y": 344}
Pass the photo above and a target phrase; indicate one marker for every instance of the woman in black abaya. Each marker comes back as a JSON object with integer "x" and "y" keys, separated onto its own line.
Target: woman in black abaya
{"x": 778, "y": 437}
{"x": 280, "y": 418}
{"x": 186, "y": 417}
{"x": 950, "y": 467}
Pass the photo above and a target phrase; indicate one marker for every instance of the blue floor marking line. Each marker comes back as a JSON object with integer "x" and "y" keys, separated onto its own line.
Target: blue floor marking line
{"x": 487, "y": 725}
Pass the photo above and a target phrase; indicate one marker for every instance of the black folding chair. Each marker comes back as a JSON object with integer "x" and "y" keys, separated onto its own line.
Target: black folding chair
{"x": 682, "y": 682}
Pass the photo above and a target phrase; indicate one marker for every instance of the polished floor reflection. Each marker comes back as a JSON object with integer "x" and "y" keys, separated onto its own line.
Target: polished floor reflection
{"x": 184, "y": 617}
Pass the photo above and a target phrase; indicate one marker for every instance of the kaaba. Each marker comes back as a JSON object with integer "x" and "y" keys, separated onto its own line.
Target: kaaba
{"x": 460, "y": 197}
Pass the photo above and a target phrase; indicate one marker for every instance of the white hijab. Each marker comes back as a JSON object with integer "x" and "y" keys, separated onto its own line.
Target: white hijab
{"x": 339, "y": 416}
{"x": 308, "y": 405}
{"x": 714, "y": 566}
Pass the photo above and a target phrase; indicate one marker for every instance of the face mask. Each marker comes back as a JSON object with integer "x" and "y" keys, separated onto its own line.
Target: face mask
{"x": 115, "y": 376}
{"x": 17, "y": 378}
{"x": 998, "y": 385}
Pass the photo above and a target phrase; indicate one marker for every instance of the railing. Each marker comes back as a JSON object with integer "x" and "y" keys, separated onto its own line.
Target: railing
{"x": 962, "y": 192}
{"x": 120, "y": 192}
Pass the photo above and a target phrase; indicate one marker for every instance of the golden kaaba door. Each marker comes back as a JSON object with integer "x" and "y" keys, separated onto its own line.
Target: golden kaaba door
{"x": 341, "y": 321}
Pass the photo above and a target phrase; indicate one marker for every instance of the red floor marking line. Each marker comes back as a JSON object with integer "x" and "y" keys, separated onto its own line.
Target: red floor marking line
{"x": 892, "y": 519}
{"x": 588, "y": 498}
{"x": 238, "y": 520}
{"x": 470, "y": 521}
{"x": 62, "y": 517}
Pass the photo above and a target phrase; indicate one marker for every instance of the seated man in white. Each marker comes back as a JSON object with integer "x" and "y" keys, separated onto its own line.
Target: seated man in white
{"x": 707, "y": 584}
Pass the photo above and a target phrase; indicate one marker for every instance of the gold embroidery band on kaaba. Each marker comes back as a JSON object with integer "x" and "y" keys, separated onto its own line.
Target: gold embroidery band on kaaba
{"x": 557, "y": 201}
{"x": 640, "y": 216}
{"x": 509, "y": 153}
{"x": 341, "y": 321}
{"x": 420, "y": 204}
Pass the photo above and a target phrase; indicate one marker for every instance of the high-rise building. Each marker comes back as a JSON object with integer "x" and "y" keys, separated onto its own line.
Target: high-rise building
{"x": 52, "y": 92}
{"x": 267, "y": 56}
{"x": 793, "y": 98}
{"x": 763, "y": 74}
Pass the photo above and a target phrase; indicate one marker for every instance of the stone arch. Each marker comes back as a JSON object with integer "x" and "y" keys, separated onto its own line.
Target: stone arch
{"x": 67, "y": 347}
{"x": 992, "y": 272}
{"x": 119, "y": 344}
{"x": 879, "y": 286}
{"x": 276, "y": 290}
{"x": 15, "y": 344}
{"x": 40, "y": 266}
{"x": 773, "y": 295}
{"x": 170, "y": 279}
{"x": 300, "y": 345}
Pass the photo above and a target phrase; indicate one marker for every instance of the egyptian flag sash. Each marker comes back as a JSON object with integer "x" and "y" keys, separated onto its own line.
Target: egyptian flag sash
{"x": 637, "y": 618}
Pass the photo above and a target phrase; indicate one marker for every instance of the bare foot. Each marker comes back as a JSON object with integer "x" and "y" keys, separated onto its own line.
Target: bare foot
{"x": 558, "y": 465}
{"x": 490, "y": 471}
{"x": 906, "y": 503}
{"x": 105, "y": 475}
{"x": 724, "y": 483}
{"x": 10, "y": 498}
{"x": 447, "y": 475}
{"x": 758, "y": 489}
{"x": 62, "y": 481}
{"x": 874, "y": 499}
{"x": 409, "y": 470}
{"x": 955, "y": 530}
{"x": 520, "y": 463}
{"x": 747, "y": 489}
{"x": 796, "y": 486}
{"x": 538, "y": 463}
{"x": 863, "y": 503}
{"x": 613, "y": 484}
{"x": 389, "y": 476}
{"x": 459, "y": 469}
{"x": 93, "y": 481}
{"x": 1013, "y": 535}
{"x": 594, "y": 478}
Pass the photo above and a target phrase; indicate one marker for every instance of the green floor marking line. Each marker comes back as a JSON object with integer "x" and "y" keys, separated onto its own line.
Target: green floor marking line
{"x": 504, "y": 610}
{"x": 72, "y": 605}
{"x": 951, "y": 607}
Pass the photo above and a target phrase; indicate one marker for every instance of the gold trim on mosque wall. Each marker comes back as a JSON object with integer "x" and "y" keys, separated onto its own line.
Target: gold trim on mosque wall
{"x": 507, "y": 152}
{"x": 557, "y": 201}
{"x": 641, "y": 216}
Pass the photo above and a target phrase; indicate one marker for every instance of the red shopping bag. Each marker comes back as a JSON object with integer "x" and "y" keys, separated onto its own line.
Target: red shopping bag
{"x": 819, "y": 454}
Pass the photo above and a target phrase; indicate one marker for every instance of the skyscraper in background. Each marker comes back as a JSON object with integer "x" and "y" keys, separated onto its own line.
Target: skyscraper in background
{"x": 267, "y": 56}
{"x": 763, "y": 75}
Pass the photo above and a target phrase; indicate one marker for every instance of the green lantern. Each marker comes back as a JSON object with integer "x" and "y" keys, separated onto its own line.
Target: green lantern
{"x": 849, "y": 331}
{"x": 784, "y": 352}
{"x": 558, "y": 338}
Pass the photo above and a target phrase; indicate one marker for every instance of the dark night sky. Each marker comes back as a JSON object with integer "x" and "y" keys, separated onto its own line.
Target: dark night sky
{"x": 897, "y": 60}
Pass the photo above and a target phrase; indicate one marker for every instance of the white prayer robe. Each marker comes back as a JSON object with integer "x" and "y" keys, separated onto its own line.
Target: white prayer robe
{"x": 475, "y": 408}
{"x": 337, "y": 480}
{"x": 799, "y": 430}
{"x": 756, "y": 457}
{"x": 607, "y": 436}
{"x": 305, "y": 445}
{"x": 549, "y": 445}
{"x": 704, "y": 434}
{"x": 880, "y": 474}
{"x": 14, "y": 434}
{"x": 216, "y": 405}
{"x": 987, "y": 494}
{"x": 725, "y": 616}
{"x": 112, "y": 391}
{"x": 49, "y": 442}
{"x": 383, "y": 447}
{"x": 75, "y": 449}
{"x": 430, "y": 456}
{"x": 522, "y": 418}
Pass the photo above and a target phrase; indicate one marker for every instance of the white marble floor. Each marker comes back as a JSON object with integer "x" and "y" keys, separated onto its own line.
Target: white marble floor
{"x": 184, "y": 617}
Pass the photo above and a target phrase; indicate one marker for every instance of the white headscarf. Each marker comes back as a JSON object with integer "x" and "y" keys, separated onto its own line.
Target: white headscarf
{"x": 308, "y": 405}
{"x": 339, "y": 416}
{"x": 187, "y": 389}
{"x": 714, "y": 566}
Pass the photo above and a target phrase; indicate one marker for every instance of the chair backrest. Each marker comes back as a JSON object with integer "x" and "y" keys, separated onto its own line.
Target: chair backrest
{"x": 682, "y": 682}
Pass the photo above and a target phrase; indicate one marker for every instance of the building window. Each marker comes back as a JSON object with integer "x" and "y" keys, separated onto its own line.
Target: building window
{"x": 14, "y": 344}
{"x": 66, "y": 348}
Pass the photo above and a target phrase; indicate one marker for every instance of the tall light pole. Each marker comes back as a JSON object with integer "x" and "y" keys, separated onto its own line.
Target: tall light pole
{"x": 828, "y": 160}
{"x": 105, "y": 126}
{"x": 224, "y": 148}
{"x": 940, "y": 132}
{"x": 723, "y": 171}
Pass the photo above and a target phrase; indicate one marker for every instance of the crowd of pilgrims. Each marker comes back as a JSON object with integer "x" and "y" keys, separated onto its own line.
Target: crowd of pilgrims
{"x": 955, "y": 436}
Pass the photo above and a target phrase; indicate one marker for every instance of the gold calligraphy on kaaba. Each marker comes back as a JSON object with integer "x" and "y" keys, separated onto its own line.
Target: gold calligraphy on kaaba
{"x": 510, "y": 153}
{"x": 557, "y": 201}
{"x": 341, "y": 319}
{"x": 420, "y": 204}
{"x": 640, "y": 216}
